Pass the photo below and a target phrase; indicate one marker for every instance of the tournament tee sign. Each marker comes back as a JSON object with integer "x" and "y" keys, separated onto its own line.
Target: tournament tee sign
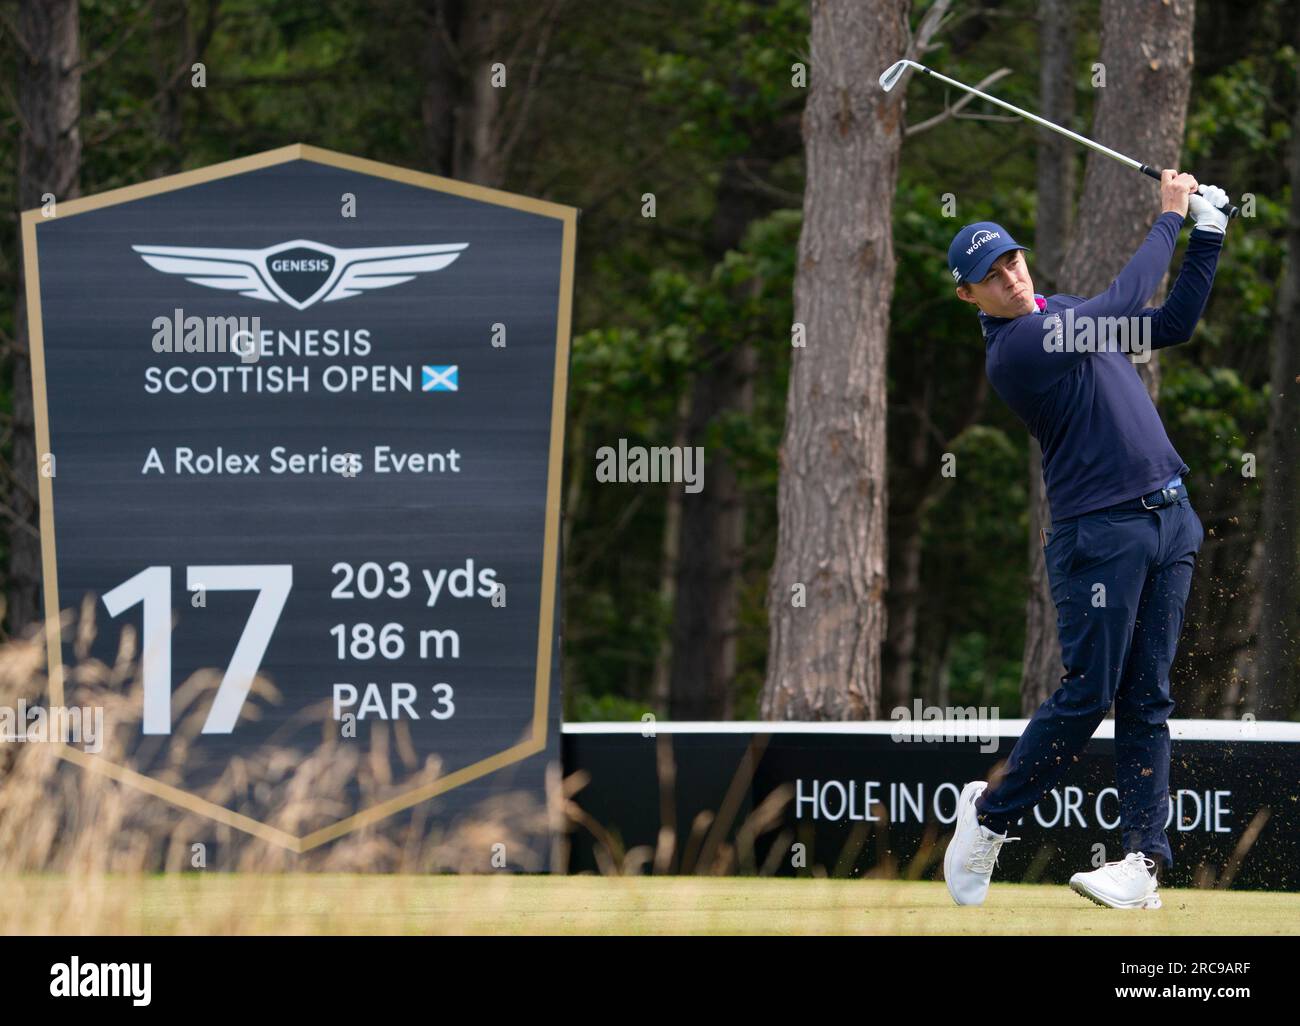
{"x": 299, "y": 427}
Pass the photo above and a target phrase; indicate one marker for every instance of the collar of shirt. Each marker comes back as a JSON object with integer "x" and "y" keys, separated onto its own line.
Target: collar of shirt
{"x": 989, "y": 323}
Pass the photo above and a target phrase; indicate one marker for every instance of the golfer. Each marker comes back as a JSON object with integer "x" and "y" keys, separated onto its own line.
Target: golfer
{"x": 1124, "y": 537}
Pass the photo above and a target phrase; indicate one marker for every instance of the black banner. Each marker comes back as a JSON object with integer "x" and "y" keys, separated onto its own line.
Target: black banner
{"x": 795, "y": 799}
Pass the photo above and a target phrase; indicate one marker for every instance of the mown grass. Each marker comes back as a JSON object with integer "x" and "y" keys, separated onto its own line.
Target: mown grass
{"x": 225, "y": 903}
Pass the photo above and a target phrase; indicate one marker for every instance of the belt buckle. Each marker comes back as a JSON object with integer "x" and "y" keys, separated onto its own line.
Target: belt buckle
{"x": 1144, "y": 501}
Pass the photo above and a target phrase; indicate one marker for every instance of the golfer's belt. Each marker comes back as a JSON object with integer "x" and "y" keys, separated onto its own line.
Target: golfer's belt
{"x": 1171, "y": 492}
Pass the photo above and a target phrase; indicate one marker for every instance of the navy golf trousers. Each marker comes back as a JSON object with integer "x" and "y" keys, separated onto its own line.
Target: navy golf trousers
{"x": 1119, "y": 579}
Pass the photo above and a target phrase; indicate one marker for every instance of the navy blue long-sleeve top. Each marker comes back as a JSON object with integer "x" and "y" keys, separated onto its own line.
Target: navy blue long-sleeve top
{"x": 1102, "y": 438}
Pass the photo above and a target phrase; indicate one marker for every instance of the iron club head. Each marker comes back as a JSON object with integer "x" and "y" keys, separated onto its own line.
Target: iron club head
{"x": 892, "y": 74}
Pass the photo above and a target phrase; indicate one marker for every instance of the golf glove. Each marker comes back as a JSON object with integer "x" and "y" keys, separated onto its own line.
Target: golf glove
{"x": 1205, "y": 209}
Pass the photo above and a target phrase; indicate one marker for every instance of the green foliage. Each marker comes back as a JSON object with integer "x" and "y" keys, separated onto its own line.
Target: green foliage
{"x": 628, "y": 383}
{"x": 974, "y": 566}
{"x": 1214, "y": 413}
{"x": 1237, "y": 107}
{"x": 604, "y": 709}
{"x": 671, "y": 98}
{"x": 985, "y": 674}
{"x": 730, "y": 71}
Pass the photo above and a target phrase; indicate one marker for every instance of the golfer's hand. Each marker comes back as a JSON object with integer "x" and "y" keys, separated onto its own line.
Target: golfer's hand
{"x": 1205, "y": 208}
{"x": 1175, "y": 188}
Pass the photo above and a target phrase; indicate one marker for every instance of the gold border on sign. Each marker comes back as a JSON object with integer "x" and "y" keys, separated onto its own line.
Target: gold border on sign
{"x": 32, "y": 219}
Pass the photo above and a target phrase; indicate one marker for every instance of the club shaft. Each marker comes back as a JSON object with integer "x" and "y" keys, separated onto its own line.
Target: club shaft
{"x": 1129, "y": 161}
{"x": 1136, "y": 165}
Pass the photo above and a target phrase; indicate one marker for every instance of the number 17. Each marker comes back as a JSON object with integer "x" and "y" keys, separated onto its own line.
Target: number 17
{"x": 152, "y": 587}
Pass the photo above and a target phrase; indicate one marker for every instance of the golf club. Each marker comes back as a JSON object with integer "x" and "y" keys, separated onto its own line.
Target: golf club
{"x": 892, "y": 74}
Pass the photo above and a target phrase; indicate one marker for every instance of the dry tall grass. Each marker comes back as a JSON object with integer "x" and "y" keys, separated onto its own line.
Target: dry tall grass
{"x": 67, "y": 831}
{"x": 56, "y": 817}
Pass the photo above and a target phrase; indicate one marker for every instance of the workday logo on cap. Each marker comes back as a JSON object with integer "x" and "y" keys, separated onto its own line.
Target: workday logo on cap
{"x": 975, "y": 247}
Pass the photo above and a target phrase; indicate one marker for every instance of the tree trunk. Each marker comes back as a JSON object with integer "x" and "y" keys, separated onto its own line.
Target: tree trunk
{"x": 170, "y": 43}
{"x": 442, "y": 84}
{"x": 473, "y": 111}
{"x": 49, "y": 162}
{"x": 1279, "y": 639}
{"x": 478, "y": 156}
{"x": 1220, "y": 632}
{"x": 461, "y": 110}
{"x": 706, "y": 625}
{"x": 660, "y": 687}
{"x": 1041, "y": 666}
{"x": 916, "y": 450}
{"x": 935, "y": 669}
{"x": 824, "y": 651}
{"x": 903, "y": 601}
{"x": 178, "y": 41}
{"x": 712, "y": 547}
{"x": 707, "y": 613}
{"x": 1238, "y": 688}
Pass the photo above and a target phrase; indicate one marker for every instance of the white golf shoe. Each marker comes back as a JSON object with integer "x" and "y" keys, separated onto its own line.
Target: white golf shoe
{"x": 1127, "y": 884}
{"x": 973, "y": 851}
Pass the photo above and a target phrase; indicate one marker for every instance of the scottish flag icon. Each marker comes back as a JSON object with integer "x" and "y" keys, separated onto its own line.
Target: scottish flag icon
{"x": 440, "y": 379}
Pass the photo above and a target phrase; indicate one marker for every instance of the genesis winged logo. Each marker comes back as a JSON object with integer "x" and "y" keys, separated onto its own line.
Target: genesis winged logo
{"x": 300, "y": 273}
